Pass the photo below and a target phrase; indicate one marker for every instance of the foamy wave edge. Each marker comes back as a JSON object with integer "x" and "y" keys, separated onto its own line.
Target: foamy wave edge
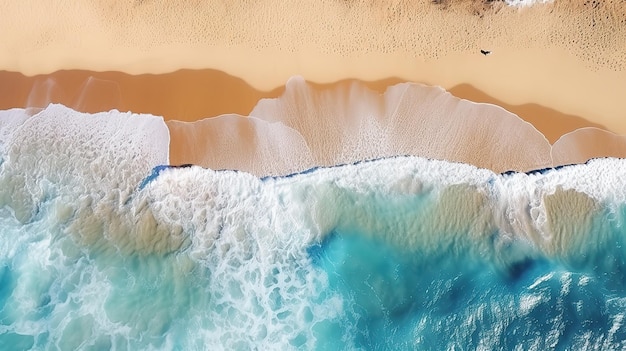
{"x": 103, "y": 159}
{"x": 81, "y": 180}
{"x": 308, "y": 127}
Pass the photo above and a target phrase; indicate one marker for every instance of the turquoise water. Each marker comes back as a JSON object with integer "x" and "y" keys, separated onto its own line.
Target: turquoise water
{"x": 99, "y": 250}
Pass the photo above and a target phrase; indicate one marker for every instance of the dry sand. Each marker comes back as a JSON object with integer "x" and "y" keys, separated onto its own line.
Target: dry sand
{"x": 560, "y": 66}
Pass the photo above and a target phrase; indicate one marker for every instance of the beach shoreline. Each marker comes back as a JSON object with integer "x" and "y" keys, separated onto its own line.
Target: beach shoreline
{"x": 549, "y": 78}
{"x": 559, "y": 66}
{"x": 313, "y": 174}
{"x": 202, "y": 95}
{"x": 192, "y": 95}
{"x": 567, "y": 57}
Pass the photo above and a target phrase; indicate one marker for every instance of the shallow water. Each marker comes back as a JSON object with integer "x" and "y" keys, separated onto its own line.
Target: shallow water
{"x": 98, "y": 251}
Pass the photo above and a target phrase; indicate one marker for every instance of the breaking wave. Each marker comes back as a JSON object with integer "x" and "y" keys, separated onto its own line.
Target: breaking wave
{"x": 101, "y": 250}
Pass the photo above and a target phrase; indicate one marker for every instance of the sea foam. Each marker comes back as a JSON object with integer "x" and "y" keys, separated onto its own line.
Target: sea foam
{"x": 522, "y": 3}
{"x": 401, "y": 252}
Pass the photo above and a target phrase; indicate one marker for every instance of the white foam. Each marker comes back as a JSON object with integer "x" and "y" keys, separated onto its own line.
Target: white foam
{"x": 524, "y": 3}
{"x": 215, "y": 205}
{"x": 87, "y": 165}
{"x": 86, "y": 172}
{"x": 244, "y": 230}
{"x": 10, "y": 120}
{"x": 98, "y": 160}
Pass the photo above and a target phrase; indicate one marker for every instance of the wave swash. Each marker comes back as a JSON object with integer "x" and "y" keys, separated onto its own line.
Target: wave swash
{"x": 402, "y": 253}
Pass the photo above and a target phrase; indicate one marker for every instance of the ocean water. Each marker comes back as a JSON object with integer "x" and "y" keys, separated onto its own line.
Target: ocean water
{"x": 104, "y": 247}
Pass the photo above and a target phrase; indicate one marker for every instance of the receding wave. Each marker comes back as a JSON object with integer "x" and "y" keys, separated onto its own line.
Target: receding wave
{"x": 99, "y": 252}
{"x": 308, "y": 127}
{"x": 587, "y": 143}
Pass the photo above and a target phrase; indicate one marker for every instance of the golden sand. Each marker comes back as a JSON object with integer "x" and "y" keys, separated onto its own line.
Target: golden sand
{"x": 186, "y": 95}
{"x": 192, "y": 95}
{"x": 560, "y": 66}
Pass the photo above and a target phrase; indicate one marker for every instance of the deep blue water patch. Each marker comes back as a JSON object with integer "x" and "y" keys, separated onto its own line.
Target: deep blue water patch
{"x": 405, "y": 299}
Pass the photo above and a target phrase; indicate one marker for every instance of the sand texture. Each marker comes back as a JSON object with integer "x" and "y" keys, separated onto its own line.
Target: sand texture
{"x": 191, "y": 95}
{"x": 587, "y": 143}
{"x": 560, "y": 66}
{"x": 349, "y": 123}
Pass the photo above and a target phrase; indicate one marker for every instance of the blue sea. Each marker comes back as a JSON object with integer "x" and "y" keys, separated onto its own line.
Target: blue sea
{"x": 102, "y": 246}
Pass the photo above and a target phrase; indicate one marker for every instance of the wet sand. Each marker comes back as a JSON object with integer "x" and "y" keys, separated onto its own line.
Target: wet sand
{"x": 566, "y": 56}
{"x": 191, "y": 95}
{"x": 186, "y": 95}
{"x": 559, "y": 66}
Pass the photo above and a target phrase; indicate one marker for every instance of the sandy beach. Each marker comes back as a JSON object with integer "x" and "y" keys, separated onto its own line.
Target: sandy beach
{"x": 559, "y": 66}
{"x": 312, "y": 174}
